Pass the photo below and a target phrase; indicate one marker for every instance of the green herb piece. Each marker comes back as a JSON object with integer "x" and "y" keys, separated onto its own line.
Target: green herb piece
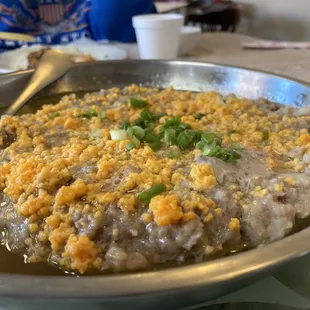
{"x": 136, "y": 131}
{"x": 136, "y": 141}
{"x": 211, "y": 150}
{"x": 137, "y": 103}
{"x": 118, "y": 134}
{"x": 146, "y": 196}
{"x": 175, "y": 154}
{"x": 155, "y": 145}
{"x": 159, "y": 116}
{"x": 230, "y": 132}
{"x": 200, "y": 145}
{"x": 149, "y": 138}
{"x": 199, "y": 116}
{"x": 140, "y": 122}
{"x": 125, "y": 125}
{"x": 54, "y": 115}
{"x": 130, "y": 146}
{"x": 146, "y": 115}
{"x": 102, "y": 114}
{"x": 185, "y": 139}
{"x": 149, "y": 130}
{"x": 170, "y": 136}
{"x": 265, "y": 135}
{"x": 226, "y": 155}
{"x": 185, "y": 126}
{"x": 211, "y": 137}
{"x": 237, "y": 146}
{"x": 173, "y": 121}
{"x": 89, "y": 114}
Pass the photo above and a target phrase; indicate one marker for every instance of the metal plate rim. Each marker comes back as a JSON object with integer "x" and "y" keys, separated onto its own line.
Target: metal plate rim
{"x": 207, "y": 274}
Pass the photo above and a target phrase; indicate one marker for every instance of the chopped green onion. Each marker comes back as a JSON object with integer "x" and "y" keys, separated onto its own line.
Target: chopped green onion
{"x": 265, "y": 135}
{"x": 149, "y": 130}
{"x": 233, "y": 131}
{"x": 173, "y": 121}
{"x": 211, "y": 150}
{"x": 125, "y": 125}
{"x": 170, "y": 136}
{"x": 159, "y": 116}
{"x": 237, "y": 146}
{"x": 185, "y": 139}
{"x": 211, "y": 137}
{"x": 175, "y": 154}
{"x": 136, "y": 141}
{"x": 137, "y": 103}
{"x": 130, "y": 146}
{"x": 200, "y": 145}
{"x": 136, "y": 131}
{"x": 146, "y": 196}
{"x": 118, "y": 134}
{"x": 185, "y": 126}
{"x": 226, "y": 155}
{"x": 146, "y": 115}
{"x": 140, "y": 122}
{"x": 149, "y": 138}
{"x": 53, "y": 115}
{"x": 155, "y": 145}
{"x": 89, "y": 114}
{"x": 199, "y": 116}
{"x": 102, "y": 114}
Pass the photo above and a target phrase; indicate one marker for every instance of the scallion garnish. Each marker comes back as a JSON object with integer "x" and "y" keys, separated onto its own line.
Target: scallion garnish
{"x": 155, "y": 145}
{"x": 89, "y": 113}
{"x": 146, "y": 196}
{"x": 173, "y": 121}
{"x": 227, "y": 155}
{"x": 136, "y": 131}
{"x": 149, "y": 138}
{"x": 102, "y": 114}
{"x": 118, "y": 134}
{"x": 237, "y": 146}
{"x": 230, "y": 132}
{"x": 170, "y": 136}
{"x": 200, "y": 145}
{"x": 185, "y": 139}
{"x": 175, "y": 154}
{"x": 137, "y": 103}
{"x": 125, "y": 125}
{"x": 53, "y": 115}
{"x": 130, "y": 146}
{"x": 265, "y": 135}
{"x": 159, "y": 116}
{"x": 199, "y": 116}
{"x": 211, "y": 137}
{"x": 185, "y": 126}
{"x": 146, "y": 115}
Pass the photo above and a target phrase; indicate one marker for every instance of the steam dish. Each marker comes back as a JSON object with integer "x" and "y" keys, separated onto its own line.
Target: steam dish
{"x": 136, "y": 178}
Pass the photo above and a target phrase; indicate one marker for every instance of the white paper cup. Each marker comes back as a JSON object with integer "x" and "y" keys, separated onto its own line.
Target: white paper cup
{"x": 158, "y": 35}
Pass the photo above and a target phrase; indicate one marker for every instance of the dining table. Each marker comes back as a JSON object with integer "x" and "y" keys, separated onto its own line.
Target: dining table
{"x": 289, "y": 287}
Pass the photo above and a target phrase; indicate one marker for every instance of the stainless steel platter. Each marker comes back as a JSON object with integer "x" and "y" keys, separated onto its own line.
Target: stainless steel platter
{"x": 176, "y": 287}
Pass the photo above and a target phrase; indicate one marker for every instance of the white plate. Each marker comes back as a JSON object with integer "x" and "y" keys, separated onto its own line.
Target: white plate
{"x": 17, "y": 59}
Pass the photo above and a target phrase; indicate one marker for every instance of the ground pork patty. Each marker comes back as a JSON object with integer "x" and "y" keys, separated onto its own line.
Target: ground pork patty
{"x": 70, "y": 187}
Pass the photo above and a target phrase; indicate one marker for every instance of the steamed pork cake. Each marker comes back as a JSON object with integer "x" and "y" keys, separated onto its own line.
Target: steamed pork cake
{"x": 137, "y": 178}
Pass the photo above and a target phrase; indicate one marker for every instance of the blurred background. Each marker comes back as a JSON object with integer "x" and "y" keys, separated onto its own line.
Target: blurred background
{"x": 269, "y": 19}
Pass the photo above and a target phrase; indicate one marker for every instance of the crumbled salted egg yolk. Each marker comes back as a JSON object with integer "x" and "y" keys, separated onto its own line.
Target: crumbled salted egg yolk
{"x": 203, "y": 177}
{"x": 166, "y": 210}
{"x": 82, "y": 252}
{"x": 67, "y": 194}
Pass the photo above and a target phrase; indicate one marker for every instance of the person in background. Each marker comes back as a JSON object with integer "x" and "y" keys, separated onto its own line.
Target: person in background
{"x": 117, "y": 16}
{"x": 64, "y": 21}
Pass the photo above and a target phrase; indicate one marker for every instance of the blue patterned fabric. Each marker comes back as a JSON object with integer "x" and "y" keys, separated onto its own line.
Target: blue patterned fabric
{"x": 63, "y": 21}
